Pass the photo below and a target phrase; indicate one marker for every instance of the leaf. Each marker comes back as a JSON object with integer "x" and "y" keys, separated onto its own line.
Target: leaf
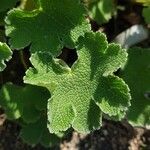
{"x": 5, "y": 55}
{"x": 144, "y": 2}
{"x": 7, "y": 4}
{"x": 26, "y": 102}
{"x": 101, "y": 10}
{"x": 29, "y": 5}
{"x": 37, "y": 132}
{"x": 87, "y": 88}
{"x": 136, "y": 74}
{"x": 146, "y": 12}
{"x": 50, "y": 27}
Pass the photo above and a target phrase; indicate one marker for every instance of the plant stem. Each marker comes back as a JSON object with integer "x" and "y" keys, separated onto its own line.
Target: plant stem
{"x": 22, "y": 60}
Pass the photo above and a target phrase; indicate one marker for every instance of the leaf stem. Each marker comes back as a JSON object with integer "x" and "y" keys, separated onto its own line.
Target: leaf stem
{"x": 22, "y": 60}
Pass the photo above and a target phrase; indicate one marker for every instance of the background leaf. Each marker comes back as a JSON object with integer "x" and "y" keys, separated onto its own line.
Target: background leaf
{"x": 146, "y": 12}
{"x": 144, "y": 2}
{"x": 101, "y": 11}
{"x": 137, "y": 75}
{"x": 50, "y": 27}
{"x": 35, "y": 133}
{"x": 26, "y": 102}
{"x": 5, "y": 55}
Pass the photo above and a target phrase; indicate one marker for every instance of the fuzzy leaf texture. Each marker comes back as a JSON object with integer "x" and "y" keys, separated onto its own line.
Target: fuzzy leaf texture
{"x": 50, "y": 27}
{"x": 37, "y": 132}
{"x": 137, "y": 75}
{"x": 5, "y": 55}
{"x": 88, "y": 88}
{"x": 101, "y": 11}
{"x": 26, "y": 102}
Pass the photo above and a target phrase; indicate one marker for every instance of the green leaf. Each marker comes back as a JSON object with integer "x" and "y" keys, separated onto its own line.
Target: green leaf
{"x": 146, "y": 12}
{"x": 101, "y": 10}
{"x": 50, "y": 27}
{"x": 37, "y": 132}
{"x": 76, "y": 91}
{"x": 144, "y": 2}
{"x": 48, "y": 139}
{"x": 5, "y": 55}
{"x": 29, "y": 5}
{"x": 26, "y": 102}
{"x": 137, "y": 75}
{"x": 7, "y": 4}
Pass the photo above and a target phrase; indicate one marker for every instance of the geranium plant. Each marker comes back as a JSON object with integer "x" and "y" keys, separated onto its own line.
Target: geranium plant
{"x": 57, "y": 95}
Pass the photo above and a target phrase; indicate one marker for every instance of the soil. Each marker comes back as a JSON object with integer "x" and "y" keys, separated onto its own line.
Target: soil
{"x": 112, "y": 135}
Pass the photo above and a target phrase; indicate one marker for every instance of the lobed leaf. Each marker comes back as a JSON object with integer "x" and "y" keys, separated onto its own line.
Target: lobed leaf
{"x": 26, "y": 102}
{"x": 136, "y": 74}
{"x": 88, "y": 88}
{"x": 101, "y": 11}
{"x": 5, "y": 55}
{"x": 50, "y": 27}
